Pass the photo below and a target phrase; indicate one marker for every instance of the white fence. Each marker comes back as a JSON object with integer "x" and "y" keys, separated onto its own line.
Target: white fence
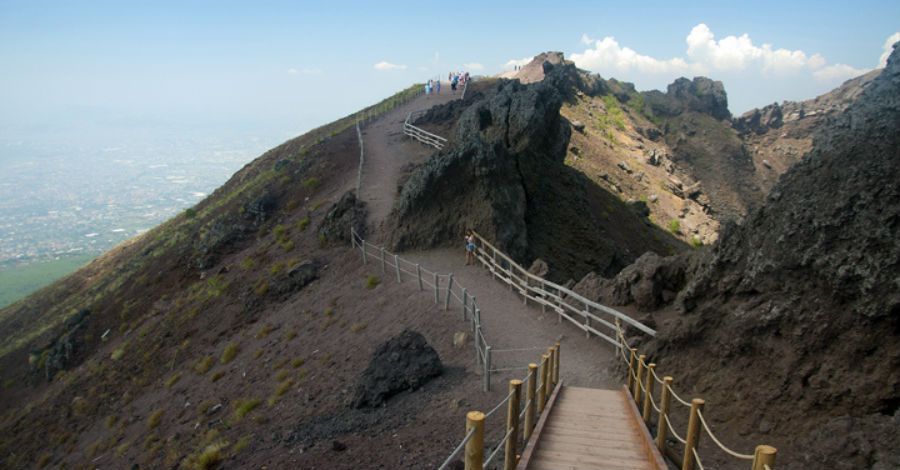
{"x": 445, "y": 289}
{"x": 566, "y": 303}
{"x": 422, "y": 135}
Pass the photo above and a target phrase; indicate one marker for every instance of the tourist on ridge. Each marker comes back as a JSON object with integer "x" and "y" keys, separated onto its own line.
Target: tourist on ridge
{"x": 438, "y": 85}
{"x": 470, "y": 247}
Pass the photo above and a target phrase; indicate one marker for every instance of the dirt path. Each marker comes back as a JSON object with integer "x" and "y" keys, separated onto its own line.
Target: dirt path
{"x": 508, "y": 324}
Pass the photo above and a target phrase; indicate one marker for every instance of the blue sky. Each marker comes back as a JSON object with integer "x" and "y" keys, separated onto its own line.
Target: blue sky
{"x": 280, "y": 68}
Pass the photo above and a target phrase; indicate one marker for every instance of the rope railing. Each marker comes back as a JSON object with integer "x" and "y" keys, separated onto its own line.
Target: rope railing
{"x": 534, "y": 405}
{"x": 642, "y": 378}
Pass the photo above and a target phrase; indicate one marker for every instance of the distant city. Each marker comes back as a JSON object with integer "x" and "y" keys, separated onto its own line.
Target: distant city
{"x": 60, "y": 199}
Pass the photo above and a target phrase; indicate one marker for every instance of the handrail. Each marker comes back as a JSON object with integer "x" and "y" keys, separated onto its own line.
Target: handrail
{"x": 763, "y": 456}
{"x": 560, "y": 292}
{"x": 422, "y": 135}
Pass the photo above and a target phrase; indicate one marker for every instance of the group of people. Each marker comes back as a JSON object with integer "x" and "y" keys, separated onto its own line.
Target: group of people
{"x": 455, "y": 79}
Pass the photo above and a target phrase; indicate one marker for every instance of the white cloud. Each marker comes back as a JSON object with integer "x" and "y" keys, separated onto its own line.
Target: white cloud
{"x": 888, "y": 48}
{"x": 586, "y": 40}
{"x": 517, "y": 62}
{"x": 837, "y": 73}
{"x": 473, "y": 66}
{"x": 384, "y": 65}
{"x": 304, "y": 71}
{"x": 607, "y": 55}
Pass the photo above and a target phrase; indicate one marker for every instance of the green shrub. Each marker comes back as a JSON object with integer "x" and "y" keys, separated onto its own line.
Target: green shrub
{"x": 276, "y": 268}
{"x": 674, "y": 226}
{"x": 283, "y": 387}
{"x": 357, "y": 327}
{"x": 190, "y": 213}
{"x": 229, "y": 353}
{"x": 696, "y": 242}
{"x": 311, "y": 183}
{"x": 173, "y": 380}
{"x": 248, "y": 263}
{"x": 298, "y": 362}
{"x": 240, "y": 445}
{"x": 286, "y": 244}
{"x": 216, "y": 376}
{"x": 372, "y": 281}
{"x": 303, "y": 223}
{"x": 281, "y": 375}
{"x": 118, "y": 353}
{"x": 280, "y": 231}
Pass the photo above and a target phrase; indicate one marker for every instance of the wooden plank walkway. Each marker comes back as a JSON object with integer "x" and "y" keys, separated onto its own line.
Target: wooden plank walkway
{"x": 591, "y": 429}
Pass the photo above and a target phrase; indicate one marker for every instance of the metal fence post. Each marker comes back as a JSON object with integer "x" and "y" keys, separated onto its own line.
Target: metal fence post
{"x": 419, "y": 276}
{"x": 474, "y": 457}
{"x": 437, "y": 295}
{"x": 487, "y": 368}
{"x": 662, "y": 426}
{"x": 693, "y": 434}
{"x": 449, "y": 291}
{"x": 648, "y": 392}
{"x": 512, "y": 425}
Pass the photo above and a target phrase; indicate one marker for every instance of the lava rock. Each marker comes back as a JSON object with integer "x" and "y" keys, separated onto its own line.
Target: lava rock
{"x": 405, "y": 362}
{"x": 348, "y": 212}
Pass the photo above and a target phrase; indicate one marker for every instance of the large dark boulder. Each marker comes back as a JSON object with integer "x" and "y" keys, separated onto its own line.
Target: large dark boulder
{"x": 405, "y": 362}
{"x": 700, "y": 95}
{"x": 348, "y": 212}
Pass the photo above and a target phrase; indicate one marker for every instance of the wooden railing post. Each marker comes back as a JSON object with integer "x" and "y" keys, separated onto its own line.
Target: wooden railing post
{"x": 530, "y": 400}
{"x": 542, "y": 391}
{"x": 662, "y": 426}
{"x": 382, "y": 260}
{"x": 648, "y": 392}
{"x": 631, "y": 367}
{"x": 419, "y": 276}
{"x": 449, "y": 290}
{"x": 550, "y": 365}
{"x": 487, "y": 368}
{"x": 477, "y": 345}
{"x": 512, "y": 425}
{"x": 474, "y": 458}
{"x": 762, "y": 456}
{"x": 556, "y": 366}
{"x": 587, "y": 320}
{"x": 437, "y": 295}
{"x": 397, "y": 266}
{"x": 465, "y": 303}
{"x": 637, "y": 379}
{"x": 693, "y": 434}
{"x": 362, "y": 249}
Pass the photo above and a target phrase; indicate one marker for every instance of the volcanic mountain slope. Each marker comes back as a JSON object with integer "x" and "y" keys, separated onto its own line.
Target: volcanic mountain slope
{"x": 789, "y": 326}
{"x": 234, "y": 332}
{"x": 503, "y": 174}
{"x": 680, "y": 152}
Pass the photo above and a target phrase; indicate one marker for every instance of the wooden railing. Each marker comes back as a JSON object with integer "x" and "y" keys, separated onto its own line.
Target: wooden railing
{"x": 566, "y": 303}
{"x": 521, "y": 416}
{"x": 641, "y": 382}
{"x": 420, "y": 134}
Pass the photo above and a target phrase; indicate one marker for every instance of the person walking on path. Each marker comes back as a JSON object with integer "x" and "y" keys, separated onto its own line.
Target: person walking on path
{"x": 437, "y": 84}
{"x": 470, "y": 247}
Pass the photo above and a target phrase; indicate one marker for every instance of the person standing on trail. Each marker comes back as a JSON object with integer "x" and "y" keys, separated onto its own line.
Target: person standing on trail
{"x": 470, "y": 247}
{"x": 437, "y": 84}
{"x": 453, "y": 83}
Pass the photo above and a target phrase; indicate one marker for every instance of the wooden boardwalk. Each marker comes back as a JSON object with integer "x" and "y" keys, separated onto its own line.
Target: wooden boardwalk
{"x": 591, "y": 429}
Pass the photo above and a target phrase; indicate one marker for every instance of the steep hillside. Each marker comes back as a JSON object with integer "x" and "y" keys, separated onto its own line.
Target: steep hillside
{"x": 789, "y": 326}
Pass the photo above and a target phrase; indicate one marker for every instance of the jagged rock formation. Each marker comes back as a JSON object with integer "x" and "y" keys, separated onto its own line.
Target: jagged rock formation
{"x": 405, "y": 362}
{"x": 505, "y": 176}
{"x": 700, "y": 95}
{"x": 799, "y": 307}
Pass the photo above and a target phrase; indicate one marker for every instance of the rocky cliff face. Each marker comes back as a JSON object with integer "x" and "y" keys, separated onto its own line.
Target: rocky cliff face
{"x": 799, "y": 307}
{"x": 505, "y": 177}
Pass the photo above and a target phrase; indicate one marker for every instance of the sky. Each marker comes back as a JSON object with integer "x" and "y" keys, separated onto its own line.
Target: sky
{"x": 280, "y": 68}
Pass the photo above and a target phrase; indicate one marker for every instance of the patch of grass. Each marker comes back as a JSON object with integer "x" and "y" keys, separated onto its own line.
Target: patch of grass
{"x": 286, "y": 244}
{"x": 205, "y": 406}
{"x": 206, "y": 459}
{"x": 303, "y": 223}
{"x": 329, "y": 312}
{"x": 216, "y": 376}
{"x": 261, "y": 288}
{"x": 190, "y": 212}
{"x": 111, "y": 421}
{"x": 154, "y": 419}
{"x": 325, "y": 359}
{"x": 298, "y": 362}
{"x": 311, "y": 183}
{"x": 122, "y": 448}
{"x": 118, "y": 352}
{"x": 281, "y": 375}
{"x": 244, "y": 407}
{"x": 696, "y": 242}
{"x": 248, "y": 263}
{"x": 283, "y": 387}
{"x": 173, "y": 379}
{"x": 357, "y": 327}
{"x": 674, "y": 226}
{"x": 203, "y": 365}
{"x": 241, "y": 444}
{"x": 372, "y": 281}
{"x": 229, "y": 353}
{"x": 264, "y": 331}
{"x": 258, "y": 353}
{"x": 290, "y": 335}
{"x": 280, "y": 231}
{"x": 276, "y": 268}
